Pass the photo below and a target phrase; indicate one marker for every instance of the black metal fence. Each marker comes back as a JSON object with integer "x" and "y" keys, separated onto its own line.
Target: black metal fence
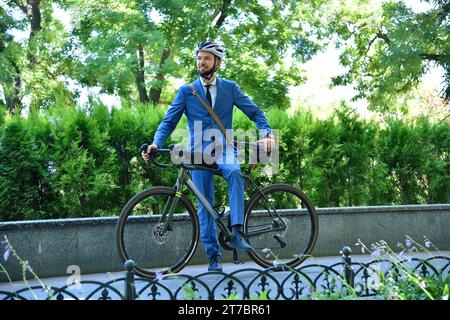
{"x": 343, "y": 279}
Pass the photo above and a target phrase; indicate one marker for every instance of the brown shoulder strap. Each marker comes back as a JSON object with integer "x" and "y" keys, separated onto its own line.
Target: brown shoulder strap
{"x": 212, "y": 113}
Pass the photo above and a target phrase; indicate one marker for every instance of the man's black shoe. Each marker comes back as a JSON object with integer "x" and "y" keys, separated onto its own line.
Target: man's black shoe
{"x": 214, "y": 264}
{"x": 238, "y": 242}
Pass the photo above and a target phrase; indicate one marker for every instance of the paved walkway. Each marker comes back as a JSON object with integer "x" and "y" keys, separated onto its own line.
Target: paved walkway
{"x": 192, "y": 270}
{"x": 188, "y": 270}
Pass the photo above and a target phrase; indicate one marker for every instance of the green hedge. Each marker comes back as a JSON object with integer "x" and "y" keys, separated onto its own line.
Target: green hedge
{"x": 67, "y": 162}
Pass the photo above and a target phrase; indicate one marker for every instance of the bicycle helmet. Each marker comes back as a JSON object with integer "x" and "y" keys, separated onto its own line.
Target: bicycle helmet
{"x": 211, "y": 46}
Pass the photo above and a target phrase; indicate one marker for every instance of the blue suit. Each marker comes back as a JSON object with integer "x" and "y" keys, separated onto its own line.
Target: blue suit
{"x": 228, "y": 96}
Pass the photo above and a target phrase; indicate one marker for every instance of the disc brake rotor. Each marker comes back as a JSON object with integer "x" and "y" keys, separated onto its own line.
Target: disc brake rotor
{"x": 158, "y": 235}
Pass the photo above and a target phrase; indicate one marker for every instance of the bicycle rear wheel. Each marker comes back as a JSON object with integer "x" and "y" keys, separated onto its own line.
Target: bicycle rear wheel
{"x": 284, "y": 239}
{"x": 140, "y": 236}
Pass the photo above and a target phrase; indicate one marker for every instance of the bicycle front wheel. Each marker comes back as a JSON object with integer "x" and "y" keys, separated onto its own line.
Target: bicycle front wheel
{"x": 156, "y": 245}
{"x": 282, "y": 226}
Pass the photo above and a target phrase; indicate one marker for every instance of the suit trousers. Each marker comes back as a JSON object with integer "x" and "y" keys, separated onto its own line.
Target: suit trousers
{"x": 204, "y": 181}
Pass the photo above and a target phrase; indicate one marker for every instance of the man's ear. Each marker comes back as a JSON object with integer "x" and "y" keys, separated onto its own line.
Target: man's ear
{"x": 218, "y": 63}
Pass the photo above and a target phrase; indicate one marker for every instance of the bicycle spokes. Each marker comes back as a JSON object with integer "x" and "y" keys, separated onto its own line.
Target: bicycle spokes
{"x": 159, "y": 223}
{"x": 280, "y": 225}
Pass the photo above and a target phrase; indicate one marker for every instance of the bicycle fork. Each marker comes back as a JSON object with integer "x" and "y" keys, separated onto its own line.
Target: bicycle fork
{"x": 172, "y": 202}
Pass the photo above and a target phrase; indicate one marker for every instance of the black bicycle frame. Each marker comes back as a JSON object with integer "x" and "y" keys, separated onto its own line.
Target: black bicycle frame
{"x": 184, "y": 177}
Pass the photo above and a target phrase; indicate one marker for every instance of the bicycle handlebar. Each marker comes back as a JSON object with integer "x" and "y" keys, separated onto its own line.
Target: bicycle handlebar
{"x": 155, "y": 152}
{"x": 255, "y": 145}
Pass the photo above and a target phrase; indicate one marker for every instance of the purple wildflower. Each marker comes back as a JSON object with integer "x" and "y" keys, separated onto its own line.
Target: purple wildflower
{"x": 408, "y": 242}
{"x": 422, "y": 284}
{"x": 267, "y": 251}
{"x": 376, "y": 252}
{"x": 359, "y": 243}
{"x": 307, "y": 291}
{"x": 26, "y": 266}
{"x": 6, "y": 253}
{"x": 7, "y": 248}
{"x": 427, "y": 243}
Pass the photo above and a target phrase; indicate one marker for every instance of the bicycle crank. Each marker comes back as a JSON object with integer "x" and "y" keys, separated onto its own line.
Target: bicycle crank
{"x": 225, "y": 243}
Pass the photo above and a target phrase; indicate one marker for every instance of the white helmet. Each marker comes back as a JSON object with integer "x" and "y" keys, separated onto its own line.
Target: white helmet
{"x": 210, "y": 46}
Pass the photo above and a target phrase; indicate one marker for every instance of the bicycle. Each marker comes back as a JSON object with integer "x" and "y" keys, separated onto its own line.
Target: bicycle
{"x": 277, "y": 219}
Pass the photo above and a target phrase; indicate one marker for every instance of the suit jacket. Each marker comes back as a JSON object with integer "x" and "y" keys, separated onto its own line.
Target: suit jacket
{"x": 228, "y": 96}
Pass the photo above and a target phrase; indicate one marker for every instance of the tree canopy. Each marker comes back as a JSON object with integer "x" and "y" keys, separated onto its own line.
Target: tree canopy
{"x": 389, "y": 47}
{"x": 60, "y": 159}
{"x": 135, "y": 49}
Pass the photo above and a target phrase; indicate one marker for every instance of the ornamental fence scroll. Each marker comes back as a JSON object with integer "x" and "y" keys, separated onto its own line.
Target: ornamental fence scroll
{"x": 275, "y": 283}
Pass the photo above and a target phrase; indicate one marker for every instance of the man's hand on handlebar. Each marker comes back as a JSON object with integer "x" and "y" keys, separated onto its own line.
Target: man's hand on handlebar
{"x": 268, "y": 143}
{"x": 146, "y": 153}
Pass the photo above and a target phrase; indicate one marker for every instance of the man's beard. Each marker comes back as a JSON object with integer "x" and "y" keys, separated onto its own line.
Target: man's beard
{"x": 207, "y": 74}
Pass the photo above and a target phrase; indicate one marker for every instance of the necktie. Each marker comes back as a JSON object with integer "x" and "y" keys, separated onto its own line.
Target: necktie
{"x": 208, "y": 95}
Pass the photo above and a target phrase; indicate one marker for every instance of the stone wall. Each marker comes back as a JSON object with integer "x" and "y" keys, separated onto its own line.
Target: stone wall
{"x": 51, "y": 246}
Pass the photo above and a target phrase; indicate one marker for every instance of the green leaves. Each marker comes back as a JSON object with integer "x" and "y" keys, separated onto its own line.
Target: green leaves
{"x": 25, "y": 191}
{"x": 138, "y": 50}
{"x": 131, "y": 48}
{"x": 389, "y": 49}
{"x": 66, "y": 162}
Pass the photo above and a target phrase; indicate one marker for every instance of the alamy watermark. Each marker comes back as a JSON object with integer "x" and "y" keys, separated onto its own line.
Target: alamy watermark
{"x": 209, "y": 146}
{"x": 74, "y": 280}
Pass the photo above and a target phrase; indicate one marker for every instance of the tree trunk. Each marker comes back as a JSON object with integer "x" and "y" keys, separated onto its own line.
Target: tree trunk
{"x": 155, "y": 92}
{"x": 35, "y": 23}
{"x": 140, "y": 77}
{"x": 13, "y": 99}
{"x": 36, "y": 18}
{"x": 223, "y": 13}
{"x": 33, "y": 12}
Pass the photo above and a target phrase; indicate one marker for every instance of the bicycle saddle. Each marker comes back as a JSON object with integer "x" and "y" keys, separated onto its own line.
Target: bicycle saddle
{"x": 194, "y": 160}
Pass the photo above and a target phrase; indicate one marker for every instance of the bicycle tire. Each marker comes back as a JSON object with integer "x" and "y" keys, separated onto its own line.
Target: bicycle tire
{"x": 138, "y": 237}
{"x": 303, "y": 230}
